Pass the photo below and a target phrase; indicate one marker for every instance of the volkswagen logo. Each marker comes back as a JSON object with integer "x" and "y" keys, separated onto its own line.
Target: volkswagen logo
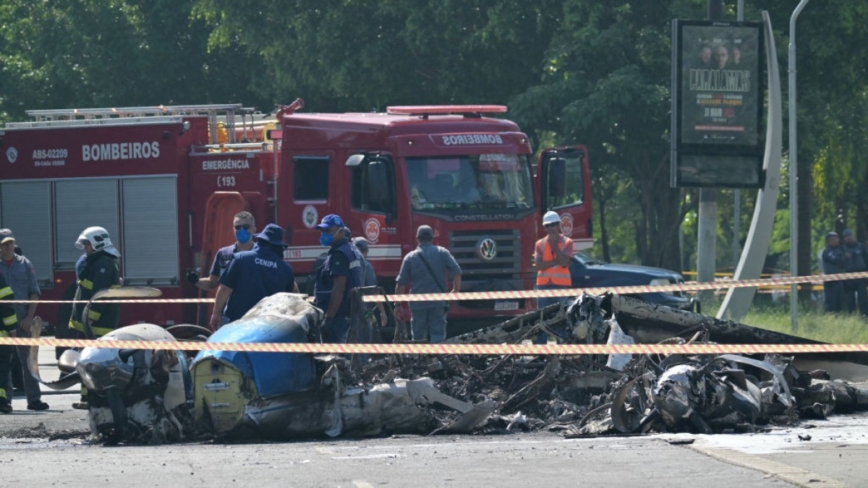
{"x": 487, "y": 249}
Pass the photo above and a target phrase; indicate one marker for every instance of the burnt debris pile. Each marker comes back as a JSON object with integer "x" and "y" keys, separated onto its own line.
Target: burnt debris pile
{"x": 597, "y": 395}
{"x": 155, "y": 396}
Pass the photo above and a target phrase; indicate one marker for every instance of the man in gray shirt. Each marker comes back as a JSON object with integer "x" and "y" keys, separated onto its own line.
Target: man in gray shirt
{"x": 426, "y": 270}
{"x": 21, "y": 277}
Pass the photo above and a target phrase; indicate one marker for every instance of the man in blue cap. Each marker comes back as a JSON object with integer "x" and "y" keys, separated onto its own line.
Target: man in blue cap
{"x": 253, "y": 275}
{"x": 340, "y": 273}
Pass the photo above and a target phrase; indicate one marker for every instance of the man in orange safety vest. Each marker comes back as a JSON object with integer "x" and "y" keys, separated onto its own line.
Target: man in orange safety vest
{"x": 552, "y": 256}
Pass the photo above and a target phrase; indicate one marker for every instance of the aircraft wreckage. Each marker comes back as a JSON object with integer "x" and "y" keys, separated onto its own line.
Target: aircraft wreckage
{"x": 153, "y": 396}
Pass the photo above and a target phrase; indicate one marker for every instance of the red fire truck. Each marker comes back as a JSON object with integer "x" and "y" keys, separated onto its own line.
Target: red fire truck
{"x": 165, "y": 181}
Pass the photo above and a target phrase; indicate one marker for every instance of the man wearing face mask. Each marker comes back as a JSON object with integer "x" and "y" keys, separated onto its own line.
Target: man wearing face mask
{"x": 340, "y": 273}
{"x": 245, "y": 227}
{"x": 253, "y": 275}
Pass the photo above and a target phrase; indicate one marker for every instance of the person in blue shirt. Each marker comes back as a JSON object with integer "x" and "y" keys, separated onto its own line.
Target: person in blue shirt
{"x": 253, "y": 275}
{"x": 340, "y": 273}
{"x": 245, "y": 226}
{"x": 857, "y": 261}
{"x": 834, "y": 262}
{"x": 369, "y": 278}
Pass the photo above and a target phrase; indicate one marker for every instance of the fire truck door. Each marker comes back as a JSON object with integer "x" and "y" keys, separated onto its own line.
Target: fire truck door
{"x": 220, "y": 208}
{"x": 374, "y": 205}
{"x": 565, "y": 188}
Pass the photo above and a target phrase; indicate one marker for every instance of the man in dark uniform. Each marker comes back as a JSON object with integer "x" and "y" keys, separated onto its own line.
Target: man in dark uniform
{"x": 8, "y": 325}
{"x": 245, "y": 226}
{"x": 857, "y": 261}
{"x": 834, "y": 262}
{"x": 340, "y": 273}
{"x": 369, "y": 278}
{"x": 100, "y": 272}
{"x": 253, "y": 275}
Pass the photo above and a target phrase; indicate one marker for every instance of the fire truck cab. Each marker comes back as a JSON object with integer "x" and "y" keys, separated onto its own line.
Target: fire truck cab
{"x": 468, "y": 176}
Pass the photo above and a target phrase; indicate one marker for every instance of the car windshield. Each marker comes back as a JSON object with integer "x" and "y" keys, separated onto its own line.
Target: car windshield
{"x": 587, "y": 259}
{"x": 474, "y": 181}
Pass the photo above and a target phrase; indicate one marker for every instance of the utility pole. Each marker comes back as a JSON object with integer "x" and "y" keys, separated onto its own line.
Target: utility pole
{"x": 794, "y": 200}
{"x": 736, "y": 194}
{"x": 707, "y": 239}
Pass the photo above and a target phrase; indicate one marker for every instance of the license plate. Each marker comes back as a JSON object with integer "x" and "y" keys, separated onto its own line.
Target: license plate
{"x": 216, "y": 386}
{"x": 503, "y": 305}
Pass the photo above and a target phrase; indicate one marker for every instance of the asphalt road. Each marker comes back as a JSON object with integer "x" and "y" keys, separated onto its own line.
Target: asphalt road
{"x": 50, "y": 449}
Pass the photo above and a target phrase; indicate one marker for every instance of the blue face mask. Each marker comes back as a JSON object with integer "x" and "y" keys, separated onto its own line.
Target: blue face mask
{"x": 326, "y": 239}
{"x": 242, "y": 235}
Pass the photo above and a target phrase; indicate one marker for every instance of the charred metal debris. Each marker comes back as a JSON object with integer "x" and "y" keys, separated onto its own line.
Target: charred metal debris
{"x": 596, "y": 395}
{"x": 156, "y": 396}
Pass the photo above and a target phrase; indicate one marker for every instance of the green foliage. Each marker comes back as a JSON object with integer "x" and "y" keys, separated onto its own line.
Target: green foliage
{"x": 87, "y": 53}
{"x": 361, "y": 55}
{"x": 572, "y": 71}
{"x": 815, "y": 325}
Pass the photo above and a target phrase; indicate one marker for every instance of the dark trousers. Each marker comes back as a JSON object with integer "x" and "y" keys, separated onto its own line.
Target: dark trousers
{"x": 6, "y": 353}
{"x": 337, "y": 333}
{"x": 833, "y": 296}
{"x": 856, "y": 292}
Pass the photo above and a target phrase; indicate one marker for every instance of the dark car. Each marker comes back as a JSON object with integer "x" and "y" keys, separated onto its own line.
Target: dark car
{"x": 588, "y": 272}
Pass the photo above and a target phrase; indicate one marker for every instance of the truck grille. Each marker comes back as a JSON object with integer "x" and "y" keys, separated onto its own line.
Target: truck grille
{"x": 501, "y": 272}
{"x": 506, "y": 263}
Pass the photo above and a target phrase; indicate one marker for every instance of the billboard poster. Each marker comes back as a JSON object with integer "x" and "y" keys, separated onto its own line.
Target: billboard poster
{"x": 720, "y": 87}
{"x": 718, "y": 94}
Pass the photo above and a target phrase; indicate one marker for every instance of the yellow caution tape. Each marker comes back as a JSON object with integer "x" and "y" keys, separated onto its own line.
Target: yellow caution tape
{"x": 621, "y": 290}
{"x": 475, "y": 349}
{"x": 563, "y": 292}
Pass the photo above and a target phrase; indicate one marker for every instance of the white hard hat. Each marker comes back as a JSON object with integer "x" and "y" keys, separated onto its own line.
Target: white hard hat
{"x": 99, "y": 240}
{"x": 551, "y": 217}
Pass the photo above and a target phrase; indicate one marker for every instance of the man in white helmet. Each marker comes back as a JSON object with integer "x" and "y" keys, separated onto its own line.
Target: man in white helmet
{"x": 100, "y": 272}
{"x": 552, "y": 256}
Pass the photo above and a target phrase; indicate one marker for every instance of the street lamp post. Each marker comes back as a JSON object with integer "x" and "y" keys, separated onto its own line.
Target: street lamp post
{"x": 794, "y": 201}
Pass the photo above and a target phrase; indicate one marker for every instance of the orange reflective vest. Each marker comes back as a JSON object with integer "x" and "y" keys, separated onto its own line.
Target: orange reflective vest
{"x": 556, "y": 275}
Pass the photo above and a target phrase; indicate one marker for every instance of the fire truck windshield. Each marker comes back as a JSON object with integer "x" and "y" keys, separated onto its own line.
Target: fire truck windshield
{"x": 474, "y": 181}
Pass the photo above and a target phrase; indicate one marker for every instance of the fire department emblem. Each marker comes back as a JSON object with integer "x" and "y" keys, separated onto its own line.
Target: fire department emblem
{"x": 12, "y": 154}
{"x": 567, "y": 224}
{"x": 372, "y": 230}
{"x": 309, "y": 215}
{"x": 487, "y": 249}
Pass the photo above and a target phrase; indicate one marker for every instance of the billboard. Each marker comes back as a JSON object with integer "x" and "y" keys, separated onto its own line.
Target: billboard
{"x": 718, "y": 89}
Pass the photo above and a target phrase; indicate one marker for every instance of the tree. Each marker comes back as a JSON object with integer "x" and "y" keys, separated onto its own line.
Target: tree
{"x": 606, "y": 82}
{"x": 364, "y": 55}
{"x": 89, "y": 53}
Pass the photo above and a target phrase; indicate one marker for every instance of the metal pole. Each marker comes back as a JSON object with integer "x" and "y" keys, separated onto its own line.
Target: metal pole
{"x": 736, "y": 194}
{"x": 707, "y": 239}
{"x": 794, "y": 201}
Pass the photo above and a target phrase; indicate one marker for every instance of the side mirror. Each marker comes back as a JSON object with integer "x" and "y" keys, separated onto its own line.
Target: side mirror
{"x": 355, "y": 160}
{"x": 557, "y": 178}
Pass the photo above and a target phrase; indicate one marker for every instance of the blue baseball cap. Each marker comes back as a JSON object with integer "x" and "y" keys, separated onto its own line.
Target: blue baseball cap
{"x": 329, "y": 221}
{"x": 272, "y": 234}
